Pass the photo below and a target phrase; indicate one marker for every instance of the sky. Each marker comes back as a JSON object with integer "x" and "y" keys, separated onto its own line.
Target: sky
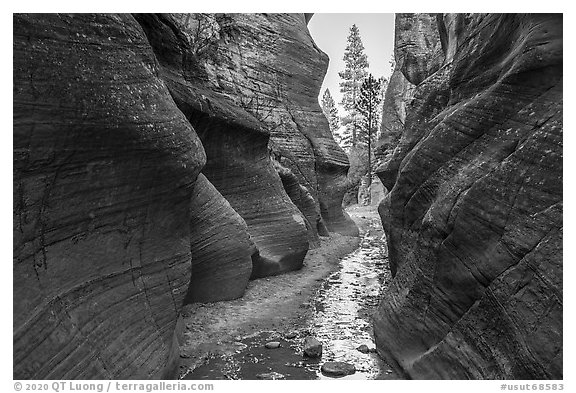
{"x": 330, "y": 32}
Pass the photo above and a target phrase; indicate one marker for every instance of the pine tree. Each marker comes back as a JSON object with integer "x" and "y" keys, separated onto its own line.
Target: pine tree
{"x": 383, "y": 88}
{"x": 356, "y": 65}
{"x": 368, "y": 107}
{"x": 392, "y": 63}
{"x": 331, "y": 113}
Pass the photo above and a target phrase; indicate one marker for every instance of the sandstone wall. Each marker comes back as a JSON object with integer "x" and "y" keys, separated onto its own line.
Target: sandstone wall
{"x": 241, "y": 94}
{"x": 115, "y": 116}
{"x": 417, "y": 54}
{"x": 474, "y": 213}
{"x": 104, "y": 165}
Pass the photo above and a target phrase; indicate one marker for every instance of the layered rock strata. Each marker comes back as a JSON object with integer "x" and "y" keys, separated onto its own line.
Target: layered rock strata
{"x": 104, "y": 166}
{"x": 237, "y": 71}
{"x": 221, "y": 247}
{"x": 242, "y": 99}
{"x": 417, "y": 54}
{"x": 114, "y": 226}
{"x": 474, "y": 213}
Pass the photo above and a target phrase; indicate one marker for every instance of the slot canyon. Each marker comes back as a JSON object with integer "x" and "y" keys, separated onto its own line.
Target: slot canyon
{"x": 177, "y": 195}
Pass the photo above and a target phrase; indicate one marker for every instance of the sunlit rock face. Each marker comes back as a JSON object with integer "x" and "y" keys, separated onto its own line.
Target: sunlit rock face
{"x": 474, "y": 216}
{"x": 104, "y": 165}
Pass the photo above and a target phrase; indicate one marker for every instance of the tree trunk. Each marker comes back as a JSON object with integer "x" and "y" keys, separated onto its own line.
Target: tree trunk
{"x": 369, "y": 153}
{"x": 354, "y": 114}
{"x": 370, "y": 149}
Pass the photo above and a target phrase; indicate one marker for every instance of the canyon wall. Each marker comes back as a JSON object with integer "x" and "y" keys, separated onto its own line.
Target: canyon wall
{"x": 474, "y": 213}
{"x": 417, "y": 54}
{"x": 104, "y": 167}
{"x": 158, "y": 160}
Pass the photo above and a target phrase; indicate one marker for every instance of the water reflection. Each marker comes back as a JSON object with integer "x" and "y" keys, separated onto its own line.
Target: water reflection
{"x": 343, "y": 308}
{"x": 341, "y": 321}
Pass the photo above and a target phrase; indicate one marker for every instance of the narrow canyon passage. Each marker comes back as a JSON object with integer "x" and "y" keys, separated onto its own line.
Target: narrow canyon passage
{"x": 337, "y": 313}
{"x": 345, "y": 303}
{"x": 178, "y": 196}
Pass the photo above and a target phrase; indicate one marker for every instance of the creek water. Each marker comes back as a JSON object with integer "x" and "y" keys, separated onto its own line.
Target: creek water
{"x": 341, "y": 321}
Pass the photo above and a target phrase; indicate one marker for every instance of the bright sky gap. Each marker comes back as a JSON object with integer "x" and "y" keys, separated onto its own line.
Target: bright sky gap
{"x": 330, "y": 32}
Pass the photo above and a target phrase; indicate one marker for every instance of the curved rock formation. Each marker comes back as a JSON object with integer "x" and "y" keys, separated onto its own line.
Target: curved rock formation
{"x": 474, "y": 216}
{"x": 418, "y": 49}
{"x": 235, "y": 141}
{"x": 418, "y": 52}
{"x": 396, "y": 99}
{"x": 114, "y": 226}
{"x": 305, "y": 202}
{"x": 104, "y": 165}
{"x": 220, "y": 245}
{"x": 241, "y": 94}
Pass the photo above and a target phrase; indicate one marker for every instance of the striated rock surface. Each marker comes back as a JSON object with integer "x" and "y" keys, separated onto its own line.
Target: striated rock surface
{"x": 235, "y": 141}
{"x": 221, "y": 247}
{"x": 305, "y": 202}
{"x": 474, "y": 215}
{"x": 235, "y": 80}
{"x": 417, "y": 53}
{"x": 114, "y": 226}
{"x": 396, "y": 99}
{"x": 418, "y": 48}
{"x": 104, "y": 165}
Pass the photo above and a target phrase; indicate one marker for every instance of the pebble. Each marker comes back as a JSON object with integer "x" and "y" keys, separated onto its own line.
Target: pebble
{"x": 272, "y": 345}
{"x": 338, "y": 369}
{"x": 291, "y": 335}
{"x": 239, "y": 346}
{"x": 363, "y": 348}
{"x": 312, "y": 347}
{"x": 270, "y": 375}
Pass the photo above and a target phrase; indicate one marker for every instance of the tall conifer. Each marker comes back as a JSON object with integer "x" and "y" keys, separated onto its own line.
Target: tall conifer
{"x": 331, "y": 113}
{"x": 356, "y": 69}
{"x": 368, "y": 105}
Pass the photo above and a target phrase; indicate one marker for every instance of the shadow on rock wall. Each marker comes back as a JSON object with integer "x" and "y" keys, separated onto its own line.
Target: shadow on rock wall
{"x": 474, "y": 214}
{"x": 114, "y": 226}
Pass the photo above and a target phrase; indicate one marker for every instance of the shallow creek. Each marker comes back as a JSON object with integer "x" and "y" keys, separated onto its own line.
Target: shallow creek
{"x": 342, "y": 310}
